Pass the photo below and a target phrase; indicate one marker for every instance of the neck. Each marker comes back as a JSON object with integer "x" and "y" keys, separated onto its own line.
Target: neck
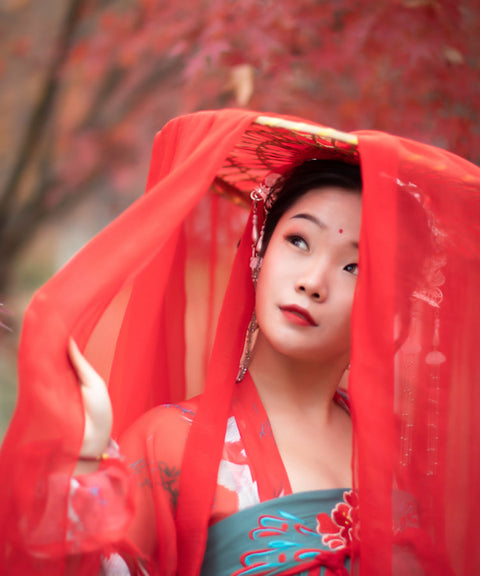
{"x": 292, "y": 382}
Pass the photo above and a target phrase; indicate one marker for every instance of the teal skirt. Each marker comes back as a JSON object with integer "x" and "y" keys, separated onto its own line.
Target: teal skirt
{"x": 303, "y": 534}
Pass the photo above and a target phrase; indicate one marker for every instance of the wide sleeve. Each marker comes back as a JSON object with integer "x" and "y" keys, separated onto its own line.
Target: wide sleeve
{"x": 123, "y": 514}
{"x": 154, "y": 448}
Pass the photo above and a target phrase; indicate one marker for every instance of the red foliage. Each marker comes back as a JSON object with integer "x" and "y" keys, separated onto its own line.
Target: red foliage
{"x": 410, "y": 67}
{"x": 406, "y": 66}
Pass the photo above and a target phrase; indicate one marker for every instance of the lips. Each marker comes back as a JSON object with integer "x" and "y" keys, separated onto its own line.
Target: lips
{"x": 298, "y": 315}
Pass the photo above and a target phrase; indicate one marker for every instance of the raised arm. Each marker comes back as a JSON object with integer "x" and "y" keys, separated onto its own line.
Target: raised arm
{"x": 153, "y": 464}
{"x": 98, "y": 412}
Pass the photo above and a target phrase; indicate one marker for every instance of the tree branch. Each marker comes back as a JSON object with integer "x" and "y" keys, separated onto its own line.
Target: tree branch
{"x": 36, "y": 214}
{"x": 42, "y": 111}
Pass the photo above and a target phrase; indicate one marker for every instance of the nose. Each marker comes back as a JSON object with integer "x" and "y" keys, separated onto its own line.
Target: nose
{"x": 314, "y": 283}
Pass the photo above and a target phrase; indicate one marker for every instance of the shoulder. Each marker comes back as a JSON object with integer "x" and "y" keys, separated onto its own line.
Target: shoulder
{"x": 166, "y": 415}
{"x": 161, "y": 432}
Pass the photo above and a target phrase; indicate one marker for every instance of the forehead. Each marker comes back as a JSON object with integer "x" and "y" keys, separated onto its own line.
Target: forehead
{"x": 329, "y": 202}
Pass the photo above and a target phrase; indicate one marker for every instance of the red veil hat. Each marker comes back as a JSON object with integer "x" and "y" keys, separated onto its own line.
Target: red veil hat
{"x": 142, "y": 301}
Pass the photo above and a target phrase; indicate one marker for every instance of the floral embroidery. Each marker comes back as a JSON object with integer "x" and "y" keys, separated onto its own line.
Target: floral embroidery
{"x": 288, "y": 543}
{"x": 282, "y": 548}
{"x": 337, "y": 528}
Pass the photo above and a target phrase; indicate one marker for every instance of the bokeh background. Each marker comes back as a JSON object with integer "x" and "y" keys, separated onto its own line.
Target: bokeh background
{"x": 85, "y": 84}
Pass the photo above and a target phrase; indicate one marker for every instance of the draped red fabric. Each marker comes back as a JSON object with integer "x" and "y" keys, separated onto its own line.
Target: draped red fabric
{"x": 110, "y": 297}
{"x": 414, "y": 374}
{"x": 142, "y": 300}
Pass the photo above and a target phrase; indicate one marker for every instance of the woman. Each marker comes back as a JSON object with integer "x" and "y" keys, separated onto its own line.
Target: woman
{"x": 305, "y": 274}
{"x": 409, "y": 344}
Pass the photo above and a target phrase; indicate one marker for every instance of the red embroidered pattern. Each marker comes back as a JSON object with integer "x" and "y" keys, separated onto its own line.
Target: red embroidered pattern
{"x": 337, "y": 528}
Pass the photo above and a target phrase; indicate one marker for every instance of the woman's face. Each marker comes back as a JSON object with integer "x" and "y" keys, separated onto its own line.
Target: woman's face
{"x": 307, "y": 281}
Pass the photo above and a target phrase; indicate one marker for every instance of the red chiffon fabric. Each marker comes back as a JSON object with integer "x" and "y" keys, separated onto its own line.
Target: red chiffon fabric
{"x": 142, "y": 300}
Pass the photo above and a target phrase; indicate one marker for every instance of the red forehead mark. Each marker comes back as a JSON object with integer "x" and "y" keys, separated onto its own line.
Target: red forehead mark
{"x": 340, "y": 231}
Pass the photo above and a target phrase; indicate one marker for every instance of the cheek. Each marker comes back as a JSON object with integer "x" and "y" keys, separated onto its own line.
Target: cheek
{"x": 268, "y": 274}
{"x": 270, "y": 286}
{"x": 344, "y": 307}
{"x": 263, "y": 289}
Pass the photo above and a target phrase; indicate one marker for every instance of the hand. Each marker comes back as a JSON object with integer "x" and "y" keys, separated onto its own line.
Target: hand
{"x": 97, "y": 406}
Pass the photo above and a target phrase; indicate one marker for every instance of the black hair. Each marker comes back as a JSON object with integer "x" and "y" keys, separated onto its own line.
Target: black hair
{"x": 303, "y": 178}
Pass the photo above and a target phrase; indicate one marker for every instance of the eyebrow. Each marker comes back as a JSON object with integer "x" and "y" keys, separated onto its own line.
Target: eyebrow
{"x": 312, "y": 218}
{"x": 320, "y": 223}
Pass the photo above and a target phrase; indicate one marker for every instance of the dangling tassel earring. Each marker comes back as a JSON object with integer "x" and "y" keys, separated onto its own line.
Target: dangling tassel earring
{"x": 264, "y": 193}
{"x": 247, "y": 349}
{"x": 256, "y": 260}
{"x": 261, "y": 194}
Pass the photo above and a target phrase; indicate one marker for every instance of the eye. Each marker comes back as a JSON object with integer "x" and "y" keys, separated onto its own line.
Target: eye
{"x": 297, "y": 241}
{"x": 352, "y": 268}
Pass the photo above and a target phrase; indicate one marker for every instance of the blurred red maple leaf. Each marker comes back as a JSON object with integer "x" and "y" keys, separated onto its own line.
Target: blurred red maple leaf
{"x": 119, "y": 70}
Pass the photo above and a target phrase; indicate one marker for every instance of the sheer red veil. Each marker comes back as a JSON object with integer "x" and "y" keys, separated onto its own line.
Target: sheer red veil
{"x": 143, "y": 301}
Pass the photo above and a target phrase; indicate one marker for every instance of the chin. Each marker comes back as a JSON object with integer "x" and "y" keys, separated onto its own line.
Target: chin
{"x": 315, "y": 356}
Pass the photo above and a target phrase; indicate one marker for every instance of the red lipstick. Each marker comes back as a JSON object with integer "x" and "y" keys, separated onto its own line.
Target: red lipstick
{"x": 298, "y": 315}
